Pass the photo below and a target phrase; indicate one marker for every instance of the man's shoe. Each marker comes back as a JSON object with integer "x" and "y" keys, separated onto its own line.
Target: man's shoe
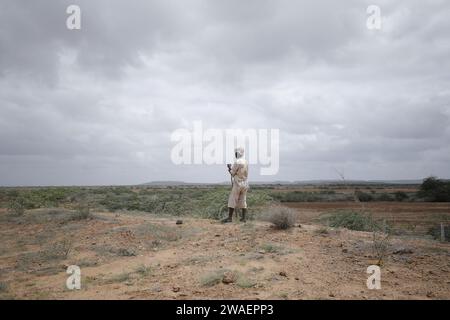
{"x": 226, "y": 220}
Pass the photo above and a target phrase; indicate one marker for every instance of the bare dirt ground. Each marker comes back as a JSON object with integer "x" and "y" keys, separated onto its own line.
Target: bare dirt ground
{"x": 412, "y": 217}
{"x": 144, "y": 256}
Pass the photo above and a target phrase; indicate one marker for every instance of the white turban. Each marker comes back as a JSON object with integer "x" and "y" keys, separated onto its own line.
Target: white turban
{"x": 239, "y": 152}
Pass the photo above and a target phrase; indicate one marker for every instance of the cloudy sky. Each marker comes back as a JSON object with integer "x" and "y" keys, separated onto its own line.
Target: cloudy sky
{"x": 98, "y": 105}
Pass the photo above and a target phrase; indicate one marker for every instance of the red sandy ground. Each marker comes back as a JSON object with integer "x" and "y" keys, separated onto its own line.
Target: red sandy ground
{"x": 301, "y": 263}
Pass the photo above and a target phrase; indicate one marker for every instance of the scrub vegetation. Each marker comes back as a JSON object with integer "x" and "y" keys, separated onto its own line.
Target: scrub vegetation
{"x": 166, "y": 242}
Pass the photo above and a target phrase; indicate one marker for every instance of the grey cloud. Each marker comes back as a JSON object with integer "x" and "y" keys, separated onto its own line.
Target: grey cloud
{"x": 98, "y": 105}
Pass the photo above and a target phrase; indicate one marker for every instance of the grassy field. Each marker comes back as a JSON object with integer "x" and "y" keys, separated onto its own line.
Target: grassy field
{"x": 204, "y": 202}
{"x": 398, "y": 205}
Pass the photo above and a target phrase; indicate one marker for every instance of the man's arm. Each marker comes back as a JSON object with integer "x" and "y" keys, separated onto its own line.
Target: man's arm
{"x": 234, "y": 169}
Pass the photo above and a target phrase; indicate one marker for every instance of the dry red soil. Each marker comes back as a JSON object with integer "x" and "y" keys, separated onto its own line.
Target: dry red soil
{"x": 131, "y": 256}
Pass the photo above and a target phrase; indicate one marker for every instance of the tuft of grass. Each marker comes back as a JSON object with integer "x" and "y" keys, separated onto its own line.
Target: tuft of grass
{"x": 125, "y": 252}
{"x": 245, "y": 282}
{"x": 281, "y": 217}
{"x": 271, "y": 248}
{"x": 109, "y": 250}
{"x": 212, "y": 278}
{"x": 321, "y": 231}
{"x": 3, "y": 287}
{"x": 87, "y": 263}
{"x": 144, "y": 270}
{"x": 283, "y": 295}
{"x": 215, "y": 277}
{"x": 197, "y": 259}
{"x": 121, "y": 277}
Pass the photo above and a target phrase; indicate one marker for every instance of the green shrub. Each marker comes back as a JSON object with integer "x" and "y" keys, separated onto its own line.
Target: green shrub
{"x": 17, "y": 206}
{"x": 435, "y": 232}
{"x": 400, "y": 196}
{"x": 385, "y": 197}
{"x": 363, "y": 196}
{"x": 352, "y": 220}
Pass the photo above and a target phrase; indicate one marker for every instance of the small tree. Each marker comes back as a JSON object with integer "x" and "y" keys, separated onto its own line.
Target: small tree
{"x": 434, "y": 189}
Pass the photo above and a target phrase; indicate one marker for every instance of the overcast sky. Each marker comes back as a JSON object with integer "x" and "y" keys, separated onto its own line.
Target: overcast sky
{"x": 98, "y": 105}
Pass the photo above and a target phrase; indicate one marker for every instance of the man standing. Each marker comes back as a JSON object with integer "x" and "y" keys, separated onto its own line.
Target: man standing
{"x": 238, "y": 195}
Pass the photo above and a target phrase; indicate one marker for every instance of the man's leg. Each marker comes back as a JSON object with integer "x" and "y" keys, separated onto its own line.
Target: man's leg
{"x": 230, "y": 216}
{"x": 244, "y": 213}
{"x": 232, "y": 200}
{"x": 243, "y": 204}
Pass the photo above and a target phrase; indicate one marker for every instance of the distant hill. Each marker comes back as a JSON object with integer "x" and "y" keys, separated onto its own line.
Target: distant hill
{"x": 411, "y": 181}
{"x": 177, "y": 183}
{"x": 302, "y": 182}
{"x": 165, "y": 183}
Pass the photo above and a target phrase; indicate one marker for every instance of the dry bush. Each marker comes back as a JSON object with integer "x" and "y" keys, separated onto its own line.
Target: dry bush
{"x": 60, "y": 250}
{"x": 45, "y": 261}
{"x": 380, "y": 245}
{"x": 281, "y": 217}
{"x": 83, "y": 212}
{"x": 381, "y": 241}
{"x": 112, "y": 251}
